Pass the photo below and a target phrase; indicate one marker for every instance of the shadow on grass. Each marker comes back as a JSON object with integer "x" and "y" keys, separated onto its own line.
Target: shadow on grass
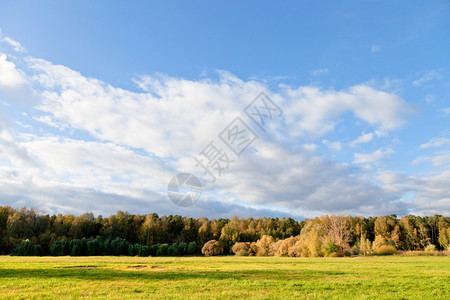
{"x": 103, "y": 273}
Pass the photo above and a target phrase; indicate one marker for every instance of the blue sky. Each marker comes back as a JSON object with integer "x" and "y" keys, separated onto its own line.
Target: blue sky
{"x": 102, "y": 103}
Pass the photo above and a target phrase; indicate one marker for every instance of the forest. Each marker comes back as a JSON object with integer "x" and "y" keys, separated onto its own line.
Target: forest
{"x": 31, "y": 232}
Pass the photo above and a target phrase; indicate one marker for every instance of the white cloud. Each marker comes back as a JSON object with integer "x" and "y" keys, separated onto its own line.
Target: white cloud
{"x": 180, "y": 116}
{"x": 390, "y": 177}
{"x": 96, "y": 164}
{"x": 367, "y": 158}
{"x": 310, "y": 147}
{"x": 432, "y": 194}
{"x": 436, "y": 142}
{"x": 306, "y": 182}
{"x": 378, "y": 107}
{"x": 15, "y": 44}
{"x": 10, "y": 76}
{"x": 439, "y": 159}
{"x": 428, "y": 76}
{"x": 334, "y": 146}
{"x": 362, "y": 139}
{"x": 318, "y": 72}
{"x": 202, "y": 107}
{"x": 14, "y": 82}
{"x": 15, "y": 154}
{"x": 312, "y": 111}
{"x": 48, "y": 121}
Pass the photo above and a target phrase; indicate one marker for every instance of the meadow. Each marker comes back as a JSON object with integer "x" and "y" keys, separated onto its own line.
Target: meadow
{"x": 388, "y": 277}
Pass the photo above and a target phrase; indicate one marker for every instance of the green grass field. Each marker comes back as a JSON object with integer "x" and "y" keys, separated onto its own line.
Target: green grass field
{"x": 393, "y": 277}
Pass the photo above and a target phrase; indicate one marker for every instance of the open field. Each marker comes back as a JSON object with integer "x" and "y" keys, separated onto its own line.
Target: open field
{"x": 391, "y": 277}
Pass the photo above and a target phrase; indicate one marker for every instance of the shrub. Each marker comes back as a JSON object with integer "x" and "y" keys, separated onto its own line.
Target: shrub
{"x": 77, "y": 247}
{"x": 139, "y": 250}
{"x": 430, "y": 247}
{"x": 341, "y": 253}
{"x": 386, "y": 250}
{"x": 282, "y": 247}
{"x": 211, "y": 248}
{"x": 241, "y": 249}
{"x": 331, "y": 249}
{"x": 119, "y": 246}
{"x": 162, "y": 250}
{"x": 173, "y": 250}
{"x": 182, "y": 248}
{"x": 132, "y": 250}
{"x": 311, "y": 240}
{"x": 154, "y": 249}
{"x": 26, "y": 248}
{"x": 253, "y": 249}
{"x": 191, "y": 248}
{"x": 76, "y": 250}
{"x": 38, "y": 250}
{"x": 356, "y": 249}
{"x": 107, "y": 250}
{"x": 295, "y": 250}
{"x": 143, "y": 251}
{"x": 59, "y": 248}
{"x": 94, "y": 247}
{"x": 380, "y": 244}
{"x": 265, "y": 246}
{"x": 277, "y": 248}
{"x": 367, "y": 247}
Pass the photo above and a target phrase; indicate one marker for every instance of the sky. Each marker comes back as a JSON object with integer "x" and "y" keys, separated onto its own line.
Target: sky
{"x": 280, "y": 109}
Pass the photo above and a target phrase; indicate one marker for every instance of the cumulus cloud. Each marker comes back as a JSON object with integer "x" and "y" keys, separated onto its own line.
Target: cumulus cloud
{"x": 427, "y": 195}
{"x": 368, "y": 158}
{"x": 315, "y": 112}
{"x": 432, "y": 195}
{"x": 334, "y": 146}
{"x": 439, "y": 159}
{"x": 15, "y": 153}
{"x": 304, "y": 182}
{"x": 363, "y": 139}
{"x": 14, "y": 82}
{"x": 130, "y": 144}
{"x": 436, "y": 142}
{"x": 175, "y": 118}
{"x": 10, "y": 76}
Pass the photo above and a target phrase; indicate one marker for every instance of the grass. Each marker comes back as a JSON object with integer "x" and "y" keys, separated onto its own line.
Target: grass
{"x": 390, "y": 277}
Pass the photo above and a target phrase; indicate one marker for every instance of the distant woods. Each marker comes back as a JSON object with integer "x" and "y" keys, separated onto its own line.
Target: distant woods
{"x": 27, "y": 232}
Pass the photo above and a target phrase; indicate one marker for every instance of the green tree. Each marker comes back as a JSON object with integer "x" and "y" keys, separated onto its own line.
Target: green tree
{"x": 191, "y": 248}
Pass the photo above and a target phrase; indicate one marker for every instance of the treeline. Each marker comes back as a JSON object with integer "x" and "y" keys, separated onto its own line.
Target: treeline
{"x": 19, "y": 225}
{"x": 346, "y": 235}
{"x": 98, "y": 247}
{"x": 29, "y": 232}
